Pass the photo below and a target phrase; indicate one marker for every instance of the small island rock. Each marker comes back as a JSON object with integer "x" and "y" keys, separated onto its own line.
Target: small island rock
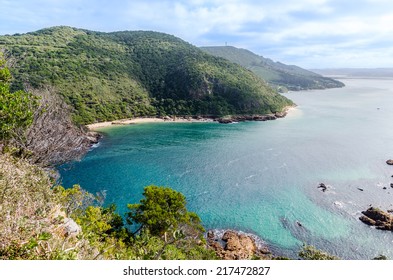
{"x": 378, "y": 218}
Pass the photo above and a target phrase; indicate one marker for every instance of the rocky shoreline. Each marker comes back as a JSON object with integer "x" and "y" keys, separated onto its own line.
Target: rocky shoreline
{"x": 243, "y": 118}
{"x": 237, "y": 245}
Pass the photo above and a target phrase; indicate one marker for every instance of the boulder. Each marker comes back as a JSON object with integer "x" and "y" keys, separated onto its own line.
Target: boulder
{"x": 378, "y": 218}
{"x": 71, "y": 228}
{"x": 389, "y": 161}
{"x": 225, "y": 120}
{"x": 236, "y": 246}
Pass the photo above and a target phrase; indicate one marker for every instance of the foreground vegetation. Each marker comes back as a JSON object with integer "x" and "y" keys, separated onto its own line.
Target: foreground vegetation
{"x": 39, "y": 221}
{"x": 107, "y": 76}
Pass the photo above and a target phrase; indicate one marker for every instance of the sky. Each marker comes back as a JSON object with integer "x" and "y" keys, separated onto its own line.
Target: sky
{"x": 308, "y": 33}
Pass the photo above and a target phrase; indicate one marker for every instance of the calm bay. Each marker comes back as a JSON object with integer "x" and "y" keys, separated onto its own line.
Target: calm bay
{"x": 262, "y": 177}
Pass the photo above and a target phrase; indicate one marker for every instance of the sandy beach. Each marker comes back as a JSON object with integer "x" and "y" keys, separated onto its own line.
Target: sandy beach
{"x": 144, "y": 120}
{"x": 287, "y": 110}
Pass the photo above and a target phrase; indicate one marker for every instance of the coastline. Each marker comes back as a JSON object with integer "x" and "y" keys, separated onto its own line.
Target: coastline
{"x": 198, "y": 119}
{"x": 146, "y": 120}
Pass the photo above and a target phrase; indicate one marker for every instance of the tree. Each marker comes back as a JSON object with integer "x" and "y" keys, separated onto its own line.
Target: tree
{"x": 163, "y": 211}
{"x": 162, "y": 216}
{"x": 16, "y": 108}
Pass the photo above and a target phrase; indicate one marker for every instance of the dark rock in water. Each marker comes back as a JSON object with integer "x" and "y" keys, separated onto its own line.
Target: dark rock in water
{"x": 243, "y": 118}
{"x": 323, "y": 187}
{"x": 389, "y": 161}
{"x": 225, "y": 121}
{"x": 378, "y": 218}
{"x": 384, "y": 188}
{"x": 360, "y": 189}
{"x": 236, "y": 246}
{"x": 367, "y": 220}
{"x": 299, "y": 224}
{"x": 391, "y": 185}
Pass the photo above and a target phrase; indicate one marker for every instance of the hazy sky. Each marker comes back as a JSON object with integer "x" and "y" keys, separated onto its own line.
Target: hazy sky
{"x": 308, "y": 33}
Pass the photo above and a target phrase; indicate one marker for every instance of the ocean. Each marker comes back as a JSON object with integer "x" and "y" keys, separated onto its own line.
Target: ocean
{"x": 263, "y": 177}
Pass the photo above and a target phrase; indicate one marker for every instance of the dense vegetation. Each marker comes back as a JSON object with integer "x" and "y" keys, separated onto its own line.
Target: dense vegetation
{"x": 284, "y": 77}
{"x": 106, "y": 76}
{"x": 16, "y": 108}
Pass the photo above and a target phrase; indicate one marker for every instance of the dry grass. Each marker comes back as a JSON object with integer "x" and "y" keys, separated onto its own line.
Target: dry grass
{"x": 31, "y": 219}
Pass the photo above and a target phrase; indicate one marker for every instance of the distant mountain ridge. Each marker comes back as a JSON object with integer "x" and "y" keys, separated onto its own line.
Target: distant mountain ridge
{"x": 107, "y": 76}
{"x": 356, "y": 72}
{"x": 282, "y": 76}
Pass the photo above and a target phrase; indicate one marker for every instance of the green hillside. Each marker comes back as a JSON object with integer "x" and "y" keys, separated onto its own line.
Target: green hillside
{"x": 107, "y": 76}
{"x": 284, "y": 77}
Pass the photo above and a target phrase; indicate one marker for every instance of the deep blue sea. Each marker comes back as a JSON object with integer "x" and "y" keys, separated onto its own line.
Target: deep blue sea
{"x": 262, "y": 177}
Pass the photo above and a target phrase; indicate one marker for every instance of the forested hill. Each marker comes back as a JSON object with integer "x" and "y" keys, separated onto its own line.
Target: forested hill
{"x": 107, "y": 76}
{"x": 285, "y": 77}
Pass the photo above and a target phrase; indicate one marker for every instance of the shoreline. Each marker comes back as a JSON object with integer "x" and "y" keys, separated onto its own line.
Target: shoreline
{"x": 189, "y": 119}
{"x": 140, "y": 120}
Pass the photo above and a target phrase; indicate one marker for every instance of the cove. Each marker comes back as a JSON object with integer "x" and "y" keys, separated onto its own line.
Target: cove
{"x": 262, "y": 177}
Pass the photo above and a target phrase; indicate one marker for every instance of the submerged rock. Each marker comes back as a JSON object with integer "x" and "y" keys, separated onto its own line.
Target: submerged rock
{"x": 378, "y": 218}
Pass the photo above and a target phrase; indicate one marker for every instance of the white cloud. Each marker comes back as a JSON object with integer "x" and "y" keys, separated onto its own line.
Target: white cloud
{"x": 291, "y": 31}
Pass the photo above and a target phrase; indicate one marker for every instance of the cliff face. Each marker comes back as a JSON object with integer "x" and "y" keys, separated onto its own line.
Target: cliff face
{"x": 53, "y": 138}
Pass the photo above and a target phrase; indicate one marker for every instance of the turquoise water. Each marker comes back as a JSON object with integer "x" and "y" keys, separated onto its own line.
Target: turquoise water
{"x": 262, "y": 177}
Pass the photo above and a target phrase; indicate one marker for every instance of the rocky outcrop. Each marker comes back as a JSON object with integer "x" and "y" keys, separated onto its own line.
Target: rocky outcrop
{"x": 378, "y": 218}
{"x": 234, "y": 245}
{"x": 389, "y": 162}
{"x": 281, "y": 114}
{"x": 93, "y": 137}
{"x": 323, "y": 187}
{"x": 244, "y": 118}
{"x": 71, "y": 228}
